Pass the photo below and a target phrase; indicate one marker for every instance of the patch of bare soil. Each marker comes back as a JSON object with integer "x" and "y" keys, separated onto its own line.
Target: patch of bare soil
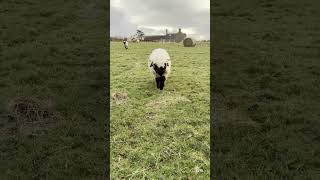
{"x": 28, "y": 116}
{"x": 119, "y": 98}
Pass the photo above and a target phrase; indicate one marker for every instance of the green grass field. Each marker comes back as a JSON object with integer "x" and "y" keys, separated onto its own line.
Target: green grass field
{"x": 160, "y": 134}
{"x": 52, "y": 76}
{"x": 266, "y": 93}
{"x": 266, "y": 65}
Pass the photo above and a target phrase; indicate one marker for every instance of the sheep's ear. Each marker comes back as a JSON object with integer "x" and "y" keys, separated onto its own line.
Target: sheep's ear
{"x": 151, "y": 64}
{"x": 167, "y": 64}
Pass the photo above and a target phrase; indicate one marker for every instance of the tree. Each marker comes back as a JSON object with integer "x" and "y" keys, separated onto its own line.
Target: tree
{"x": 140, "y": 34}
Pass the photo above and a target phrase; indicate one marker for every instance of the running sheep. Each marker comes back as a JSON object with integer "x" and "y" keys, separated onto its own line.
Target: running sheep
{"x": 159, "y": 65}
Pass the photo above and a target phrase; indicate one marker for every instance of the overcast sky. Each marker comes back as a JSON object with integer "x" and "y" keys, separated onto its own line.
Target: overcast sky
{"x": 154, "y": 16}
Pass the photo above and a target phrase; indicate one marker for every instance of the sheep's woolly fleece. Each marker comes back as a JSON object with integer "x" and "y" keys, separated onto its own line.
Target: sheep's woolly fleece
{"x": 159, "y": 56}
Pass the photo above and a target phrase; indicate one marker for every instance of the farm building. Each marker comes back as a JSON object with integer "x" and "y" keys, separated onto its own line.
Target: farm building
{"x": 116, "y": 39}
{"x": 168, "y": 37}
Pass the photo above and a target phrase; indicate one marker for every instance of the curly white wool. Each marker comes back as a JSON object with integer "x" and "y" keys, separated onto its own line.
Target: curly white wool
{"x": 160, "y": 57}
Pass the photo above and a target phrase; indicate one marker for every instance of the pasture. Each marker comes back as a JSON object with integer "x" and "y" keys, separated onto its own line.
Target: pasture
{"x": 266, "y": 89}
{"x": 52, "y": 77}
{"x": 159, "y": 134}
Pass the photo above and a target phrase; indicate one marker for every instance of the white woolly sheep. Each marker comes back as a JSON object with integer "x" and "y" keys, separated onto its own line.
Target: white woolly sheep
{"x": 159, "y": 65}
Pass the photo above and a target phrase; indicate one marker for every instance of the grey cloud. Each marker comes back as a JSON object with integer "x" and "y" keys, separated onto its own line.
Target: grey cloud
{"x": 171, "y": 13}
{"x": 120, "y": 25}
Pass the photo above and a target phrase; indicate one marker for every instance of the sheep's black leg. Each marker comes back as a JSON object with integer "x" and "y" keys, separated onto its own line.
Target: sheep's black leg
{"x": 162, "y": 79}
{"x": 158, "y": 82}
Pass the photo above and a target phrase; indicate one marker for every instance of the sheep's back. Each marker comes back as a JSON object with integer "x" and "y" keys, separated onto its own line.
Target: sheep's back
{"x": 159, "y": 56}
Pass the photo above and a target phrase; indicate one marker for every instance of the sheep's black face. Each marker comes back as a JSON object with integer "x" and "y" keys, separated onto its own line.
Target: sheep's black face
{"x": 159, "y": 70}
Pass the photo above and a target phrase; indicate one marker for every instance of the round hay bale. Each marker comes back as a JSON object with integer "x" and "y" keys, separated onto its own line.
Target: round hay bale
{"x": 189, "y": 42}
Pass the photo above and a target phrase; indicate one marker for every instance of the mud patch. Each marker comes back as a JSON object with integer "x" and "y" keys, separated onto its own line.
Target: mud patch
{"x": 119, "y": 98}
{"x": 28, "y": 117}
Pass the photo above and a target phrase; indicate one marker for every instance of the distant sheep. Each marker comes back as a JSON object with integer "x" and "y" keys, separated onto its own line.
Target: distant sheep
{"x": 126, "y": 44}
{"x": 159, "y": 65}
